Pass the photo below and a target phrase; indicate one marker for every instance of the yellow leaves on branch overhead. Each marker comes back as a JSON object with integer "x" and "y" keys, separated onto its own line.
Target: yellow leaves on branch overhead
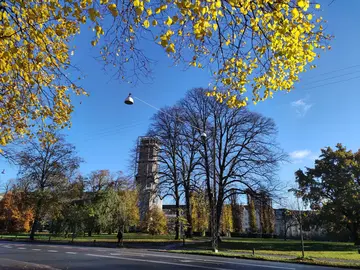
{"x": 262, "y": 45}
{"x": 35, "y": 62}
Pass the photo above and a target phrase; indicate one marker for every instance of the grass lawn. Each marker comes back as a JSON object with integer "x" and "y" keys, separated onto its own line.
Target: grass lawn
{"x": 318, "y": 252}
{"x": 306, "y": 260}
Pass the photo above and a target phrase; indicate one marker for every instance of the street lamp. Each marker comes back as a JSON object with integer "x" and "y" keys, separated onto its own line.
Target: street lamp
{"x": 203, "y": 136}
{"x": 129, "y": 100}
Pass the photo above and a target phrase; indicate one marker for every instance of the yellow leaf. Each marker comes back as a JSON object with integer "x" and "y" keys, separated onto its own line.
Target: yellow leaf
{"x": 154, "y": 23}
{"x": 215, "y": 26}
{"x": 309, "y": 17}
{"x": 146, "y": 24}
{"x": 295, "y": 13}
{"x": 317, "y": 6}
{"x": 169, "y": 21}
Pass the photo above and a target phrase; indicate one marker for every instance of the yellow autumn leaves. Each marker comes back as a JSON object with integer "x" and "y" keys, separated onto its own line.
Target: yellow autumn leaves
{"x": 274, "y": 40}
{"x": 256, "y": 45}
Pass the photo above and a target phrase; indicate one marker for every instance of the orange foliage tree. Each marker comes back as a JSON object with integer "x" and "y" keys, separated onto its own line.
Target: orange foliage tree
{"x": 15, "y": 214}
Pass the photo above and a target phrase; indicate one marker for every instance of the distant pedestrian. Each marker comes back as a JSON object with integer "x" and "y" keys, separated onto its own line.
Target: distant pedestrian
{"x": 120, "y": 238}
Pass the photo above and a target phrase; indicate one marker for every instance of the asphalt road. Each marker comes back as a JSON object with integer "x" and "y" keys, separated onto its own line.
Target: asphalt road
{"x": 41, "y": 256}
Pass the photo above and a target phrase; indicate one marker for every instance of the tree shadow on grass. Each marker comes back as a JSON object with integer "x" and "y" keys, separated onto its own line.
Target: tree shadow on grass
{"x": 280, "y": 245}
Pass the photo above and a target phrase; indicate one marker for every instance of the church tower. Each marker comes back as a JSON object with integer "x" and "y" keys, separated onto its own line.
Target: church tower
{"x": 147, "y": 174}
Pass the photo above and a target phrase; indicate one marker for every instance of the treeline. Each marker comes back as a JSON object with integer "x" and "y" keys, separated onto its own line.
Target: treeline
{"x": 49, "y": 193}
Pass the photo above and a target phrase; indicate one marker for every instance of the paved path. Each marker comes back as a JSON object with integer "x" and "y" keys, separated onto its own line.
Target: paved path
{"x": 42, "y": 256}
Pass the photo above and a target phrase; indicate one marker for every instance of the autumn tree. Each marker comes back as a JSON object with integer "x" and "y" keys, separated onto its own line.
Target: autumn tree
{"x": 252, "y": 214}
{"x": 261, "y": 45}
{"x": 227, "y": 223}
{"x": 155, "y": 222}
{"x": 264, "y": 205}
{"x": 199, "y": 211}
{"x": 333, "y": 188}
{"x": 16, "y": 214}
{"x": 237, "y": 212}
{"x": 47, "y": 167}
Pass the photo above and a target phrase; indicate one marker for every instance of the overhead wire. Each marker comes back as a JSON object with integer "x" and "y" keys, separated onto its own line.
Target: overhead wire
{"x": 333, "y": 71}
{"x": 333, "y": 77}
{"x": 113, "y": 131}
{"x": 178, "y": 119}
{"x": 349, "y": 79}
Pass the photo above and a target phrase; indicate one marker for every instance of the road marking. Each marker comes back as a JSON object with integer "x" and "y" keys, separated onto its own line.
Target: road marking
{"x": 204, "y": 260}
{"x": 36, "y": 249}
{"x": 70, "y": 252}
{"x": 21, "y": 248}
{"x": 186, "y": 261}
{"x": 51, "y": 250}
{"x": 158, "y": 262}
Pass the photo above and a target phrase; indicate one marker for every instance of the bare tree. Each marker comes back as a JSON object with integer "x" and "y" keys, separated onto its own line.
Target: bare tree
{"x": 239, "y": 153}
{"x": 166, "y": 127}
{"x": 231, "y": 151}
{"x": 45, "y": 168}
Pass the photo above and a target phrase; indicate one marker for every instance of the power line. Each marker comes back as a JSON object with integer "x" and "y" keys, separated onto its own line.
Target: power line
{"x": 337, "y": 76}
{"x": 333, "y": 71}
{"x": 112, "y": 132}
{"x": 178, "y": 119}
{"x": 353, "y": 78}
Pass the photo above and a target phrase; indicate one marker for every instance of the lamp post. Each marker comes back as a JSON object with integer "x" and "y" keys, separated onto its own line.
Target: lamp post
{"x": 214, "y": 237}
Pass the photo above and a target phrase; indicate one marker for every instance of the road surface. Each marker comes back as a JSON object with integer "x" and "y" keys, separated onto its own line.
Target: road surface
{"x": 30, "y": 256}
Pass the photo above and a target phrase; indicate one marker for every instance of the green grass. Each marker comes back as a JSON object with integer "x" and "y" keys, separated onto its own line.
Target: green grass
{"x": 281, "y": 245}
{"x": 280, "y": 249}
{"x": 305, "y": 260}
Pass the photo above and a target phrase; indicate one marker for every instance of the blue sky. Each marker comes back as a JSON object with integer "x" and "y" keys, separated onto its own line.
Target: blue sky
{"x": 318, "y": 113}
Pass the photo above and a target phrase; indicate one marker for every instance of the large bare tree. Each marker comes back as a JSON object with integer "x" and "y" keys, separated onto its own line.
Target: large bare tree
{"x": 46, "y": 167}
{"x": 166, "y": 127}
{"x": 239, "y": 151}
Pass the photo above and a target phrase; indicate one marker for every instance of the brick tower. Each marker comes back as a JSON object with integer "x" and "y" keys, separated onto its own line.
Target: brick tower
{"x": 146, "y": 175}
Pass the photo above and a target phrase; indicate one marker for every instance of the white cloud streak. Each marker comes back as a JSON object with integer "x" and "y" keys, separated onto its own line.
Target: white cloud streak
{"x": 300, "y": 154}
{"x": 301, "y": 107}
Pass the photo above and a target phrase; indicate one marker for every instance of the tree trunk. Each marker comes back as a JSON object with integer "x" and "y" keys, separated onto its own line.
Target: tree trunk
{"x": 33, "y": 228}
{"x": 219, "y": 207}
{"x": 89, "y": 233}
{"x": 36, "y": 219}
